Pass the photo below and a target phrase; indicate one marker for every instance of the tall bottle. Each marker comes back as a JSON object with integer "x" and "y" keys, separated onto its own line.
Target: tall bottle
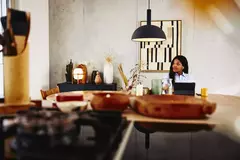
{"x": 70, "y": 70}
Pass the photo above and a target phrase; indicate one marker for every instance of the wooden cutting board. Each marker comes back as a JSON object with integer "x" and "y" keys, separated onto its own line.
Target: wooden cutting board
{"x": 131, "y": 115}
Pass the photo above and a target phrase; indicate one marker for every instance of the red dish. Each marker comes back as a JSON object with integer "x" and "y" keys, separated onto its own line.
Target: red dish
{"x": 70, "y": 97}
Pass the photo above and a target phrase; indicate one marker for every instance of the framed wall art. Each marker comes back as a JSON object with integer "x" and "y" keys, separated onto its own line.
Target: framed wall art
{"x": 157, "y": 56}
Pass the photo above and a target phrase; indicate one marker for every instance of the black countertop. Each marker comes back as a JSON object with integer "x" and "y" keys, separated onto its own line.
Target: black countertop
{"x": 169, "y": 141}
{"x": 203, "y": 144}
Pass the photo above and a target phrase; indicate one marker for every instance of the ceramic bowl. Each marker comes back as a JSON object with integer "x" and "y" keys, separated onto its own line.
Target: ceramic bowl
{"x": 69, "y": 106}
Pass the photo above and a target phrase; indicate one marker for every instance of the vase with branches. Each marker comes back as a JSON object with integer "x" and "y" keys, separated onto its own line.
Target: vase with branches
{"x": 136, "y": 76}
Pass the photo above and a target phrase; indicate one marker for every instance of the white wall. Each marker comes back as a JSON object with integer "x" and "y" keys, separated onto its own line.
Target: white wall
{"x": 83, "y": 30}
{"x": 39, "y": 44}
{"x": 2, "y": 13}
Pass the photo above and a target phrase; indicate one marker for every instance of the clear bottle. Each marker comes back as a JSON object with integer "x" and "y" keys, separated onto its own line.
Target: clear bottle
{"x": 170, "y": 88}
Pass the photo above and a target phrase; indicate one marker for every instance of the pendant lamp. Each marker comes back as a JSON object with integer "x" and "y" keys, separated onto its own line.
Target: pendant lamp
{"x": 148, "y": 33}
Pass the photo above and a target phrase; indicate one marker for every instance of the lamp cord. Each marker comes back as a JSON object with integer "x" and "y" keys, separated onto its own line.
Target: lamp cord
{"x": 148, "y": 4}
{"x": 148, "y": 14}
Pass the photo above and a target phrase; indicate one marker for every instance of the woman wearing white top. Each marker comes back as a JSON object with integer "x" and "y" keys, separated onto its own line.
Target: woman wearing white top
{"x": 178, "y": 71}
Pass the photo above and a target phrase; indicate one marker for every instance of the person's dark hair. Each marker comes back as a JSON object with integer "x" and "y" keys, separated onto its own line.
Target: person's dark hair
{"x": 184, "y": 62}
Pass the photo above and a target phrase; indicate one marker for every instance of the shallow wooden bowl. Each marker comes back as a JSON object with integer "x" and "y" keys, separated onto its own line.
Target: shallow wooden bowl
{"x": 110, "y": 101}
{"x": 172, "y": 106}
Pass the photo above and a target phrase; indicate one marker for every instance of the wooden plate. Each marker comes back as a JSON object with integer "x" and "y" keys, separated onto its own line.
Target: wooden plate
{"x": 172, "y": 106}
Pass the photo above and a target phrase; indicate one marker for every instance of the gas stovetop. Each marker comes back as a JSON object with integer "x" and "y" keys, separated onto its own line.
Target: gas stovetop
{"x": 48, "y": 134}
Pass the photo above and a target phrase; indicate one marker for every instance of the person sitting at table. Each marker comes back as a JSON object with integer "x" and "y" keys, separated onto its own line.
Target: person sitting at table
{"x": 178, "y": 72}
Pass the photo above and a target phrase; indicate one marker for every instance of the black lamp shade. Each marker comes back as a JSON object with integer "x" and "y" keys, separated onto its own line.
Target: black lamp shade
{"x": 148, "y": 33}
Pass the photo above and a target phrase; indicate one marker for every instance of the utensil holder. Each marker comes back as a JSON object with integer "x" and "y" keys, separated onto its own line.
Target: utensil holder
{"x": 16, "y": 78}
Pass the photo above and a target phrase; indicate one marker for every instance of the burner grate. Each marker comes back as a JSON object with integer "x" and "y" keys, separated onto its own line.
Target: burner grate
{"x": 49, "y": 134}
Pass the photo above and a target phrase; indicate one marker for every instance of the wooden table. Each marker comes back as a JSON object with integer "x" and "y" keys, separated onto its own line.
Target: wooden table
{"x": 228, "y": 110}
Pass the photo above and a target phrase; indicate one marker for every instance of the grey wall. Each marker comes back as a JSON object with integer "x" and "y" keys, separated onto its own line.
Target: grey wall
{"x": 84, "y": 30}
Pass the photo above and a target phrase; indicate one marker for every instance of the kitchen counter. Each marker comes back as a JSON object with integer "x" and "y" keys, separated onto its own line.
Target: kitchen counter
{"x": 227, "y": 112}
{"x": 217, "y": 137}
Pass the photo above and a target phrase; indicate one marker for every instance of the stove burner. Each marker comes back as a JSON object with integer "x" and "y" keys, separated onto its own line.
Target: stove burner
{"x": 49, "y": 134}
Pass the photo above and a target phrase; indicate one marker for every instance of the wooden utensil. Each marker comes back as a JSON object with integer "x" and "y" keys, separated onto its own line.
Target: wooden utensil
{"x": 123, "y": 76}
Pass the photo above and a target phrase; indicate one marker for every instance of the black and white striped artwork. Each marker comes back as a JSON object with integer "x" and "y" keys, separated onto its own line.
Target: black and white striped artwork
{"x": 157, "y": 56}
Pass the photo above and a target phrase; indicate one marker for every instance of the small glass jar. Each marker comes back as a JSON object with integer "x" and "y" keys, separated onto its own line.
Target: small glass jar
{"x": 139, "y": 90}
{"x": 167, "y": 86}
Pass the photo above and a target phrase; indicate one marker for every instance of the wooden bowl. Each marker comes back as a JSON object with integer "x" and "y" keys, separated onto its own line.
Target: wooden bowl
{"x": 172, "y": 106}
{"x": 109, "y": 101}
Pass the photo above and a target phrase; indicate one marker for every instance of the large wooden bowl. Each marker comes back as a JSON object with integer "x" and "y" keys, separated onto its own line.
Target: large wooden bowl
{"x": 172, "y": 106}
